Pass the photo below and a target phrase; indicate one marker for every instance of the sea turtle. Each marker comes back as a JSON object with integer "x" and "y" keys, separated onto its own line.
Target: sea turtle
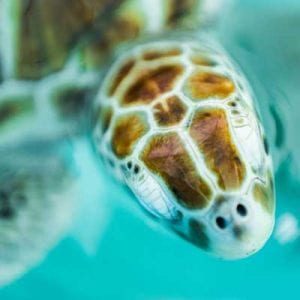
{"x": 174, "y": 119}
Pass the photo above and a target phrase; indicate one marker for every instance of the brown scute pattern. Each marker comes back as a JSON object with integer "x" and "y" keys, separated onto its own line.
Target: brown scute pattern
{"x": 118, "y": 30}
{"x": 201, "y": 60}
{"x": 211, "y": 133}
{"x": 264, "y": 195}
{"x": 169, "y": 112}
{"x": 166, "y": 156}
{"x": 49, "y": 29}
{"x": 12, "y": 109}
{"x": 71, "y": 102}
{"x": 198, "y": 234}
{"x": 156, "y": 54}
{"x": 202, "y": 85}
{"x": 178, "y": 10}
{"x": 128, "y": 130}
{"x": 118, "y": 78}
{"x": 152, "y": 83}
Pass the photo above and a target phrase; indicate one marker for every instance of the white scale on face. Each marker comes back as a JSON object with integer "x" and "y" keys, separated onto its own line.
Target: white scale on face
{"x": 176, "y": 120}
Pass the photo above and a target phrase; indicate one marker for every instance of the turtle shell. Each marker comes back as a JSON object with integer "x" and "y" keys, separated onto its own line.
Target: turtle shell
{"x": 181, "y": 112}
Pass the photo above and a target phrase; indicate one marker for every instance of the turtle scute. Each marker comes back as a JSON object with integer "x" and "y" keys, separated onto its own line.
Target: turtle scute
{"x": 264, "y": 193}
{"x": 122, "y": 73}
{"x": 169, "y": 111}
{"x": 155, "y": 54}
{"x": 200, "y": 59}
{"x": 202, "y": 85}
{"x": 166, "y": 156}
{"x": 152, "y": 83}
{"x": 127, "y": 132}
{"x": 210, "y": 131}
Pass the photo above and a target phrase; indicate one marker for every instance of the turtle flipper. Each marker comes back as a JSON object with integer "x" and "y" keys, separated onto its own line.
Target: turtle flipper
{"x": 39, "y": 35}
{"x": 38, "y": 194}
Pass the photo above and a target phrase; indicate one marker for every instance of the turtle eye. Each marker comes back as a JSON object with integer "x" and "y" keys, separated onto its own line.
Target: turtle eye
{"x": 221, "y": 222}
{"x": 241, "y": 210}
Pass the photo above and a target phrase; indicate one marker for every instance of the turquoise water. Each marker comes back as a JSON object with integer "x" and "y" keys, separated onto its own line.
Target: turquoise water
{"x": 125, "y": 258}
{"x": 134, "y": 261}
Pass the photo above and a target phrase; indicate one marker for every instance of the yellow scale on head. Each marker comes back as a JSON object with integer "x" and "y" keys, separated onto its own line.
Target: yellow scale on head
{"x": 177, "y": 120}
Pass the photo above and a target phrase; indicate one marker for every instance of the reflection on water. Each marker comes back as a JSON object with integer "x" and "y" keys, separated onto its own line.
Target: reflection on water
{"x": 133, "y": 260}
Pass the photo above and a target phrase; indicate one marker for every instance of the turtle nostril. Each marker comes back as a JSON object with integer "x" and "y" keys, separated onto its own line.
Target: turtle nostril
{"x": 221, "y": 222}
{"x": 241, "y": 210}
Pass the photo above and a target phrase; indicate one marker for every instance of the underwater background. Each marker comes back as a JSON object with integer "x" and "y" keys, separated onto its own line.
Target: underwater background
{"x": 122, "y": 257}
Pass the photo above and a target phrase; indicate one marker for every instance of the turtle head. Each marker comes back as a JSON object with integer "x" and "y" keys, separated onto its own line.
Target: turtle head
{"x": 236, "y": 226}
